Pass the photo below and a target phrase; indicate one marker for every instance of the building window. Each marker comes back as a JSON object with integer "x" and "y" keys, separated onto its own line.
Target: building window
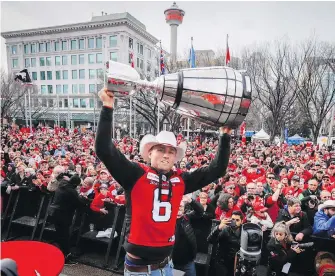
{"x": 51, "y": 102}
{"x": 140, "y": 49}
{"x": 66, "y": 103}
{"x": 131, "y": 43}
{"x": 49, "y": 75}
{"x": 64, "y": 60}
{"x": 73, "y": 44}
{"x": 35, "y": 102}
{"x": 90, "y": 43}
{"x": 91, "y": 58}
{"x": 42, "y": 75}
{"x": 141, "y": 63}
{"x": 82, "y": 88}
{"x": 112, "y": 41}
{"x": 65, "y": 89}
{"x": 57, "y": 46}
{"x": 43, "y": 89}
{"x": 50, "y": 90}
{"x": 64, "y": 45}
{"x": 74, "y": 88}
{"x": 27, "y": 62}
{"x": 91, "y": 103}
{"x": 58, "y": 75}
{"x": 58, "y": 89}
{"x": 138, "y": 62}
{"x": 81, "y": 59}
{"x": 74, "y": 74}
{"x": 26, "y": 48}
{"x": 42, "y": 61}
{"x": 82, "y": 103}
{"x": 82, "y": 74}
{"x": 48, "y": 46}
{"x": 41, "y": 47}
{"x": 130, "y": 58}
{"x": 48, "y": 61}
{"x": 91, "y": 73}
{"x": 65, "y": 75}
{"x": 148, "y": 67}
{"x": 33, "y": 48}
{"x": 74, "y": 60}
{"x": 44, "y": 102}
{"x": 98, "y": 42}
{"x": 34, "y": 75}
{"x": 14, "y": 49}
{"x": 100, "y": 74}
{"x": 57, "y": 60}
{"x": 75, "y": 103}
{"x": 81, "y": 44}
{"x": 60, "y": 104}
{"x": 33, "y": 62}
{"x": 113, "y": 56}
{"x": 91, "y": 88}
{"x": 99, "y": 57}
{"x": 149, "y": 53}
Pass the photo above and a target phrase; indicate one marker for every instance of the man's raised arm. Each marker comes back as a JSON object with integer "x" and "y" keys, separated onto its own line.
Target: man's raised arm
{"x": 124, "y": 172}
{"x": 216, "y": 169}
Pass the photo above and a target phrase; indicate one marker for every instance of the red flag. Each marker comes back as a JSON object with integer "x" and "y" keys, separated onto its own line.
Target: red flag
{"x": 242, "y": 128}
{"x": 132, "y": 59}
{"x": 227, "y": 53}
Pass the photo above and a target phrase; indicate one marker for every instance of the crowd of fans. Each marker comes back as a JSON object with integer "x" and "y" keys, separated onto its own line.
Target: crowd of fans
{"x": 264, "y": 184}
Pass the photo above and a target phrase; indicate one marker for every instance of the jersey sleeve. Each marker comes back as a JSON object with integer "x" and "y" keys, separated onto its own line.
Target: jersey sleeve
{"x": 206, "y": 175}
{"x": 123, "y": 171}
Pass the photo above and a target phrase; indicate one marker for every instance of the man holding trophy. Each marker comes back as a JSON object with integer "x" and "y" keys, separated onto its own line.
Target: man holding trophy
{"x": 154, "y": 191}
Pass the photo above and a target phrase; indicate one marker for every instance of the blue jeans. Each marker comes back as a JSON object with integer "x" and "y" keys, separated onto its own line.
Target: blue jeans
{"x": 189, "y": 269}
{"x": 166, "y": 271}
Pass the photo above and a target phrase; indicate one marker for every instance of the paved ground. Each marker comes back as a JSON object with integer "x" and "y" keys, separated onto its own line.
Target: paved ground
{"x": 84, "y": 270}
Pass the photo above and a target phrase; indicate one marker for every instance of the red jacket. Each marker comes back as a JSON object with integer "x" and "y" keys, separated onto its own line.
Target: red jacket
{"x": 221, "y": 214}
{"x": 253, "y": 176}
{"x": 98, "y": 202}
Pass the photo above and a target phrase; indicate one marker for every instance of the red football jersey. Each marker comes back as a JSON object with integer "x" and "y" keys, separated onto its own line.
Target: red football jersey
{"x": 153, "y": 221}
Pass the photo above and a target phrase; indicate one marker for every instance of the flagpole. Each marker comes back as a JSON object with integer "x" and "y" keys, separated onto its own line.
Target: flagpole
{"x": 134, "y": 118}
{"x": 130, "y": 114}
{"x": 29, "y": 102}
{"x": 191, "y": 64}
{"x": 25, "y": 108}
{"x": 331, "y": 126}
{"x": 58, "y": 110}
{"x": 159, "y": 74}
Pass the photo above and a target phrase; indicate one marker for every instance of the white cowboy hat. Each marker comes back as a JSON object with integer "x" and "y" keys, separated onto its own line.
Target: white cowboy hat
{"x": 163, "y": 138}
{"x": 327, "y": 204}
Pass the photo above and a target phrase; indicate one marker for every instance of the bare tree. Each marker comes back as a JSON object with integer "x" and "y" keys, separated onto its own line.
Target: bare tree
{"x": 12, "y": 93}
{"x": 316, "y": 82}
{"x": 272, "y": 83}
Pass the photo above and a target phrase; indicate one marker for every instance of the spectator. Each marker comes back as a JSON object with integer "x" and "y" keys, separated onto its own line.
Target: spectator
{"x": 295, "y": 219}
{"x": 324, "y": 221}
{"x": 225, "y": 207}
{"x": 227, "y": 235}
{"x": 281, "y": 248}
{"x": 261, "y": 217}
{"x": 249, "y": 199}
{"x": 185, "y": 248}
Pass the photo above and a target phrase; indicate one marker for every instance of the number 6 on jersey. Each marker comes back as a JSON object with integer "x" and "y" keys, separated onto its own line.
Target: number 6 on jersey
{"x": 157, "y": 208}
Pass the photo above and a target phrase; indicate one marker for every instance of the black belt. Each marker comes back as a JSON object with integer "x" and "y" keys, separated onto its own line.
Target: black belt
{"x": 147, "y": 268}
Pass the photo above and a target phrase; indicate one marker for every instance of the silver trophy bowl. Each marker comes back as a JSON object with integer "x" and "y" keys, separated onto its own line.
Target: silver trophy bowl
{"x": 215, "y": 96}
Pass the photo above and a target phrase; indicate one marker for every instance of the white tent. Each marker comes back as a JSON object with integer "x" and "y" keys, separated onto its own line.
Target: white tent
{"x": 261, "y": 135}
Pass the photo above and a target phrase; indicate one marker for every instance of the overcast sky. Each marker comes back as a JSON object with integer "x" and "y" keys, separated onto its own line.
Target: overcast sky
{"x": 208, "y": 22}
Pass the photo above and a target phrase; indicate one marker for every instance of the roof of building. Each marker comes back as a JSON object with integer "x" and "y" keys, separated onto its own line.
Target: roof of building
{"x": 97, "y": 22}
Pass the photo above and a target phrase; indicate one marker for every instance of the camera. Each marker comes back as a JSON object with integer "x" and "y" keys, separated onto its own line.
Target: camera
{"x": 304, "y": 245}
{"x": 251, "y": 242}
{"x": 251, "y": 197}
{"x": 314, "y": 201}
{"x": 232, "y": 223}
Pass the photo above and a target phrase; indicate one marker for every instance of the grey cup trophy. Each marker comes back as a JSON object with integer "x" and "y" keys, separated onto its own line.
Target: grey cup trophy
{"x": 215, "y": 96}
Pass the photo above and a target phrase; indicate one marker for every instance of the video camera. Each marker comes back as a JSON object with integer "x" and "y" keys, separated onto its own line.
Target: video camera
{"x": 250, "y": 251}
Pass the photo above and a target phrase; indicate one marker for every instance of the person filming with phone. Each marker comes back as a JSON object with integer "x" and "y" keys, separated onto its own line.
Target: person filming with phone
{"x": 227, "y": 235}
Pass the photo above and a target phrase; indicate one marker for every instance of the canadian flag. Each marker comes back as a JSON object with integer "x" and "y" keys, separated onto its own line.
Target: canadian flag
{"x": 242, "y": 128}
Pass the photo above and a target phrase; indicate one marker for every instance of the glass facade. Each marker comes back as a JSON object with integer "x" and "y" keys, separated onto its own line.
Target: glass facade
{"x": 81, "y": 59}
{"x": 112, "y": 41}
{"x": 65, "y": 75}
{"x": 74, "y": 59}
{"x": 74, "y": 74}
{"x": 42, "y": 75}
{"x": 82, "y": 74}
